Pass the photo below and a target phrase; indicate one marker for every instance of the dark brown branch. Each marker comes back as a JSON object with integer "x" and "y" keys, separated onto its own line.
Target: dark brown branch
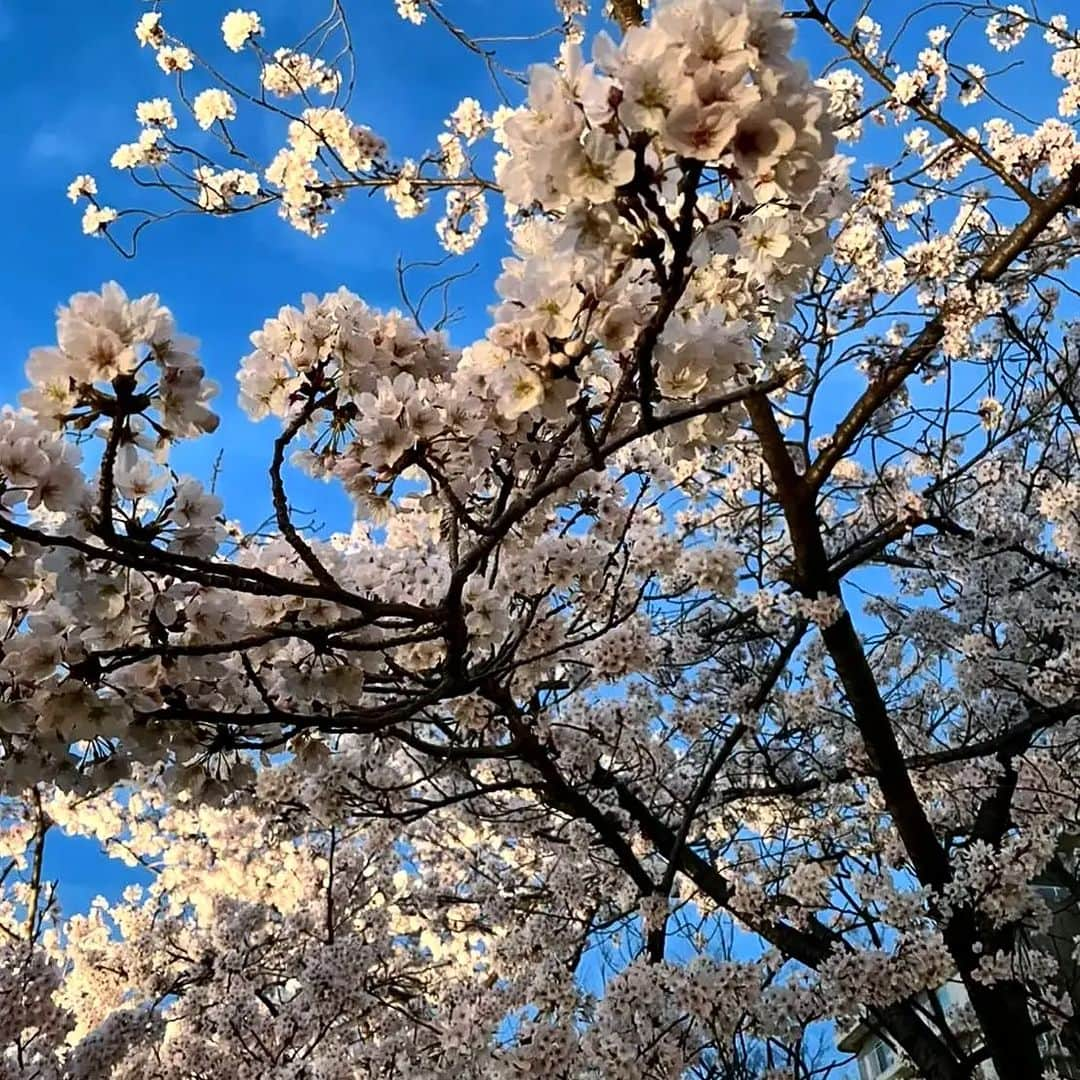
{"x": 929, "y": 338}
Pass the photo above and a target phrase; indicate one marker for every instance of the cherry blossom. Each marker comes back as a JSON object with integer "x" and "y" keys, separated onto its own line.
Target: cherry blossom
{"x": 695, "y": 670}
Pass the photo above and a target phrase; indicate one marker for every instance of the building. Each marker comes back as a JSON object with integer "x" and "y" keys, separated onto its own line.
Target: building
{"x": 878, "y": 1058}
{"x": 1059, "y": 886}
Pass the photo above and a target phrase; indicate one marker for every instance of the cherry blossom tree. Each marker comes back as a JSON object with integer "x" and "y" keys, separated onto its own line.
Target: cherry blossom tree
{"x": 698, "y": 667}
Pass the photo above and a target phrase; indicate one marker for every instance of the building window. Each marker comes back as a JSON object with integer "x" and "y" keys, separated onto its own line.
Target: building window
{"x": 1055, "y": 895}
{"x": 879, "y": 1058}
{"x": 1050, "y": 1045}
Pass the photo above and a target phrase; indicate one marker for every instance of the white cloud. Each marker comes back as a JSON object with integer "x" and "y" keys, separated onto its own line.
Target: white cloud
{"x": 51, "y": 145}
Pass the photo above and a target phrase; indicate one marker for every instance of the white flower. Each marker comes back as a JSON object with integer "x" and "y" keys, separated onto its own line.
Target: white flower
{"x": 292, "y": 73}
{"x": 385, "y": 440}
{"x": 146, "y": 151}
{"x": 174, "y": 58}
{"x": 518, "y": 389}
{"x": 149, "y": 31}
{"x": 23, "y": 463}
{"x": 701, "y": 132}
{"x": 465, "y": 218}
{"x": 411, "y": 11}
{"x": 1056, "y": 29}
{"x": 53, "y": 377}
{"x": 682, "y": 374}
{"x": 157, "y": 112}
{"x": 192, "y": 504}
{"x": 407, "y": 197}
{"x": 218, "y": 190}
{"x": 595, "y": 169}
{"x": 907, "y": 86}
{"x": 468, "y": 120}
{"x": 211, "y": 106}
{"x": 762, "y": 139}
{"x": 1006, "y": 29}
{"x": 238, "y": 27}
{"x": 137, "y": 479}
{"x": 97, "y": 218}
{"x": 83, "y": 186}
{"x": 991, "y": 412}
{"x": 765, "y": 239}
{"x": 453, "y": 158}
{"x": 971, "y": 89}
{"x": 59, "y": 489}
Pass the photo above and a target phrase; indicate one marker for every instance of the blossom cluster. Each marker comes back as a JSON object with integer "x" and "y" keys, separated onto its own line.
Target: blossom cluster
{"x": 726, "y": 582}
{"x": 117, "y": 359}
{"x": 326, "y": 153}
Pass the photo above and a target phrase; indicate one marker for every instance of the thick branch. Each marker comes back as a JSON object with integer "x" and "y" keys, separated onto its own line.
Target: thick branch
{"x": 929, "y": 338}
